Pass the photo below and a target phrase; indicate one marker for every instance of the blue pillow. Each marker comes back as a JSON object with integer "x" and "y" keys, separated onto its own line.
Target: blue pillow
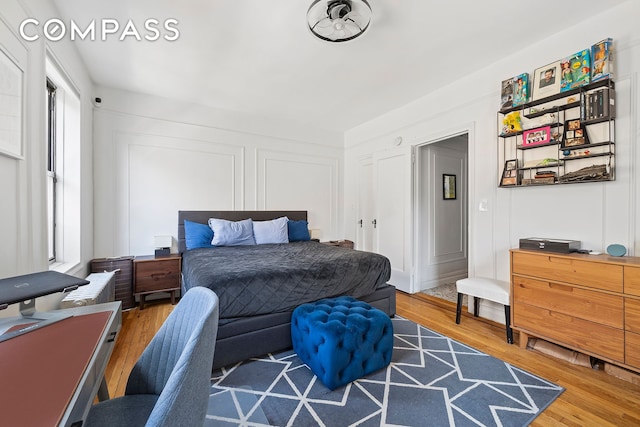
{"x": 197, "y": 235}
{"x": 232, "y": 233}
{"x": 274, "y": 231}
{"x": 298, "y": 231}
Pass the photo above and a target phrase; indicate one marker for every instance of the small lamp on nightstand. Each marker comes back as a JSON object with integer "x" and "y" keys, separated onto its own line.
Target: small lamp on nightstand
{"x": 315, "y": 234}
{"x": 163, "y": 245}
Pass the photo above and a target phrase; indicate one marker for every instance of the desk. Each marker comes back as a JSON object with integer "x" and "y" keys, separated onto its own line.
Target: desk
{"x": 51, "y": 376}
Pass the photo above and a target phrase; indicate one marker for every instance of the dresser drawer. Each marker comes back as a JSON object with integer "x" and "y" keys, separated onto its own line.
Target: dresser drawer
{"x": 566, "y": 299}
{"x": 157, "y": 275}
{"x": 632, "y": 280}
{"x": 570, "y": 270}
{"x": 632, "y": 349}
{"x": 632, "y": 315}
{"x": 578, "y": 334}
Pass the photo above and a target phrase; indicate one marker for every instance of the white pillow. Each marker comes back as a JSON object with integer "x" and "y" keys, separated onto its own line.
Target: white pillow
{"x": 231, "y": 233}
{"x": 274, "y": 231}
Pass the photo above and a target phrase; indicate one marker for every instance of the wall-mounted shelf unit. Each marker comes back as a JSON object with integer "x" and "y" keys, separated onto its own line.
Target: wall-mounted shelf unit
{"x": 565, "y": 138}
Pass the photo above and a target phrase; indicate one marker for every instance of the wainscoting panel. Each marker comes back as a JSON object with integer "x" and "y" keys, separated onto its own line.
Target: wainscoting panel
{"x": 157, "y": 176}
{"x": 287, "y": 181}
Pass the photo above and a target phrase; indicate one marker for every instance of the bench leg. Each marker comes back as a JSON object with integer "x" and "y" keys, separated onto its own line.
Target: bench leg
{"x": 459, "y": 308}
{"x": 507, "y": 315}
{"x": 476, "y": 306}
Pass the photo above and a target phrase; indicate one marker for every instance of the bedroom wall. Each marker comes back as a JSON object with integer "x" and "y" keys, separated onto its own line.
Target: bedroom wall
{"x": 22, "y": 181}
{"x": 597, "y": 214}
{"x": 155, "y": 156}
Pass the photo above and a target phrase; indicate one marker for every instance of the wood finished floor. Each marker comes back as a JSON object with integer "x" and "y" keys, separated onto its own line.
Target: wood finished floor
{"x": 592, "y": 397}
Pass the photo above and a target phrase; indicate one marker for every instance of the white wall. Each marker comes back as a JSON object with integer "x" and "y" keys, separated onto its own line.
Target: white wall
{"x": 22, "y": 182}
{"x": 155, "y": 156}
{"x": 597, "y": 214}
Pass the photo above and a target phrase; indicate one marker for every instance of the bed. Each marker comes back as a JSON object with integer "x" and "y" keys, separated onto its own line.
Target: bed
{"x": 260, "y": 285}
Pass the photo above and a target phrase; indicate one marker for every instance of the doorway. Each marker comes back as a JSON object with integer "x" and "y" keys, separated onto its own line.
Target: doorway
{"x": 441, "y": 209}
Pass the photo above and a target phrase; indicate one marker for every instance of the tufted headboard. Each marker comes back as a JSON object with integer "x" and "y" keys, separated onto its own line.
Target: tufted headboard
{"x": 203, "y": 217}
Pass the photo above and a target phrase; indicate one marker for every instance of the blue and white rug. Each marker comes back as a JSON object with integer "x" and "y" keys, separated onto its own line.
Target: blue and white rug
{"x": 432, "y": 381}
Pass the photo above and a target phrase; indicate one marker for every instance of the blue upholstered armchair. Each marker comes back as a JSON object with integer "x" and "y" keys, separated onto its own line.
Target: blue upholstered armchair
{"x": 169, "y": 384}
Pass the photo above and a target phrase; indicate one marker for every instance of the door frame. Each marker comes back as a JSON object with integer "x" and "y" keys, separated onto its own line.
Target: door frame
{"x": 469, "y": 130}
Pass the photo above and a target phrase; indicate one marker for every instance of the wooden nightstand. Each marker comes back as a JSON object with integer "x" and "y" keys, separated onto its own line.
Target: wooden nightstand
{"x": 151, "y": 275}
{"x": 341, "y": 243}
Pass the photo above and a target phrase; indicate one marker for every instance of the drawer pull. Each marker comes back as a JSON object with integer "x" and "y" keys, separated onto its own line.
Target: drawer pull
{"x": 562, "y": 317}
{"x": 560, "y": 260}
{"x": 158, "y": 276}
{"x": 560, "y": 287}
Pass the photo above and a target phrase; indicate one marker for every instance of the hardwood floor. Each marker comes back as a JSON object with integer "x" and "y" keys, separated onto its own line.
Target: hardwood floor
{"x": 592, "y": 397}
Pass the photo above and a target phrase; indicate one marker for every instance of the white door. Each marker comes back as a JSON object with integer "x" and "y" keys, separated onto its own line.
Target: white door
{"x": 393, "y": 170}
{"x": 365, "y": 206}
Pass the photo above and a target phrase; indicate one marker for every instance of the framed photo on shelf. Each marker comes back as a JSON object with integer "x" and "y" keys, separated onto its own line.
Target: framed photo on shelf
{"x": 546, "y": 81}
{"x": 536, "y": 136}
{"x": 510, "y": 173}
{"x": 574, "y": 134}
{"x": 448, "y": 186}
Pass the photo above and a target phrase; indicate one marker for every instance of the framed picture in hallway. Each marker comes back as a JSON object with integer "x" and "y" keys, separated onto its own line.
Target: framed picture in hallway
{"x": 448, "y": 186}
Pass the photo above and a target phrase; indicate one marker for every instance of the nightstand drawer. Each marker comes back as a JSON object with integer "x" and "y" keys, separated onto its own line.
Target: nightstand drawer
{"x": 340, "y": 243}
{"x": 157, "y": 275}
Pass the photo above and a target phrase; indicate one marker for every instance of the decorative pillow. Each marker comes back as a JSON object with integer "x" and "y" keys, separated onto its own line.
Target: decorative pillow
{"x": 197, "y": 235}
{"x": 232, "y": 233}
{"x": 298, "y": 231}
{"x": 274, "y": 231}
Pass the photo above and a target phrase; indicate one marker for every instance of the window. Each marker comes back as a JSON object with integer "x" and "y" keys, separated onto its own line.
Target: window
{"x": 63, "y": 169}
{"x": 51, "y": 170}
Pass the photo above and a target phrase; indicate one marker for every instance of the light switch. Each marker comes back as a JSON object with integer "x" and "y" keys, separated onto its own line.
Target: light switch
{"x": 484, "y": 205}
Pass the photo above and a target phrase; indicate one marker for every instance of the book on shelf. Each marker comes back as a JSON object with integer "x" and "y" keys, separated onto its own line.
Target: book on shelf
{"x": 545, "y": 180}
{"x": 598, "y": 104}
{"x": 545, "y": 174}
{"x": 606, "y": 103}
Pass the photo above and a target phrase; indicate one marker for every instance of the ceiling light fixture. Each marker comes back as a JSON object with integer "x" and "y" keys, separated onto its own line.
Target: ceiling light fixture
{"x": 338, "y": 20}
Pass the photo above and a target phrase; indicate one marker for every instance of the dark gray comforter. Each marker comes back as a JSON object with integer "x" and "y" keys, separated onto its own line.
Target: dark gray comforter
{"x": 262, "y": 279}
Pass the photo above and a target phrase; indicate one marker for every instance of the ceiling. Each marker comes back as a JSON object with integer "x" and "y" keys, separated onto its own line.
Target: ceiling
{"x": 258, "y": 56}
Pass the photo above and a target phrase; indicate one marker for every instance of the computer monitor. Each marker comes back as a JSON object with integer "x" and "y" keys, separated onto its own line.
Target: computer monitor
{"x": 24, "y": 290}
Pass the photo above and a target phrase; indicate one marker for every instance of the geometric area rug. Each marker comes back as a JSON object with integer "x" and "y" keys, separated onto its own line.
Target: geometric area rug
{"x": 432, "y": 381}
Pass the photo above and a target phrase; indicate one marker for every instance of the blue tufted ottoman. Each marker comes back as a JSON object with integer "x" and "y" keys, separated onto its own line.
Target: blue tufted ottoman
{"x": 341, "y": 339}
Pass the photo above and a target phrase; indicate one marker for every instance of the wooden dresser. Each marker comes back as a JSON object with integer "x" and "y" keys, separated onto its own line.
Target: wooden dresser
{"x": 589, "y": 303}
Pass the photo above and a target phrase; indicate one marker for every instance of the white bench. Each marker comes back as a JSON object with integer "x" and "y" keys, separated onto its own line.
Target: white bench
{"x": 489, "y": 289}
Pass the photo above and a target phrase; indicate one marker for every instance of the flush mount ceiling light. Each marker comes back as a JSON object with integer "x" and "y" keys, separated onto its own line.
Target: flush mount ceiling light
{"x": 338, "y": 20}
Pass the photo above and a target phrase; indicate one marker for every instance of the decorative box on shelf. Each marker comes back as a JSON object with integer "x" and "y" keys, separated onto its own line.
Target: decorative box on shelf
{"x": 550, "y": 245}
